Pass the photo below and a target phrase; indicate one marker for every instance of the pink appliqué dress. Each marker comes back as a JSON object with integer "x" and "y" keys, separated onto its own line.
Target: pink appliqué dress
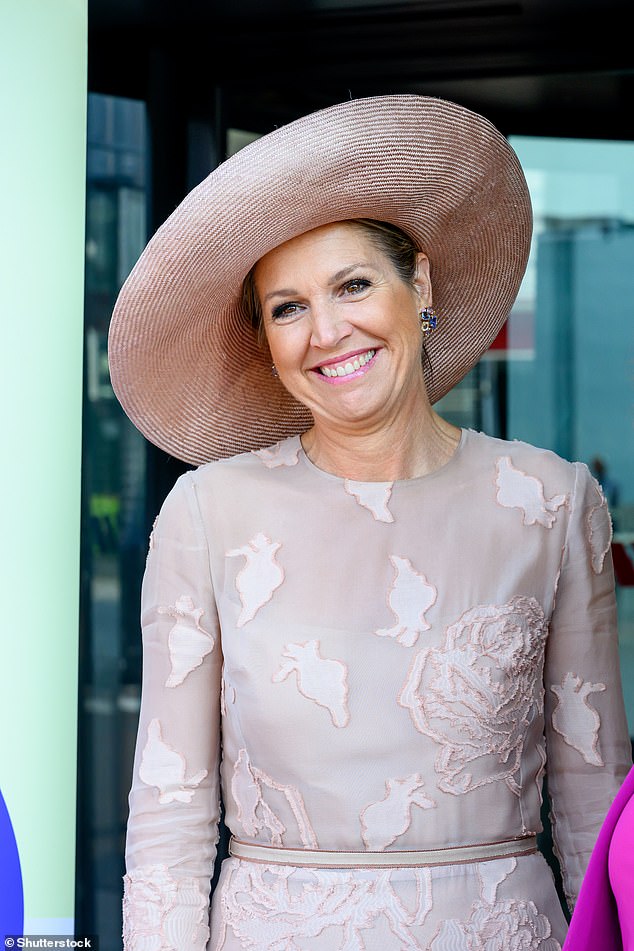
{"x": 372, "y": 666}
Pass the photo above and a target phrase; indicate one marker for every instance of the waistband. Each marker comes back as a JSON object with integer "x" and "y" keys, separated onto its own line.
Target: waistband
{"x": 322, "y": 858}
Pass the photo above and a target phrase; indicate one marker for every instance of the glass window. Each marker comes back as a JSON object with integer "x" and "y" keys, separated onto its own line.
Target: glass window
{"x": 114, "y": 522}
{"x": 570, "y": 385}
{"x": 560, "y": 375}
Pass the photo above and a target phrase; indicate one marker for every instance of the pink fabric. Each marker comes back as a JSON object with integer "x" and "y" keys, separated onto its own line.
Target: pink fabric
{"x": 621, "y": 868}
{"x": 604, "y": 914}
{"x": 388, "y": 666}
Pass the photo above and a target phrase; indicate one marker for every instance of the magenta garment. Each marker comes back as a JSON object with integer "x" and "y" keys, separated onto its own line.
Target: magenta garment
{"x": 604, "y": 914}
{"x": 621, "y": 868}
{"x": 373, "y": 666}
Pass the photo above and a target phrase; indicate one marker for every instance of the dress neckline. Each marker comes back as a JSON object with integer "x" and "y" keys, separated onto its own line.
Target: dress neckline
{"x": 441, "y": 470}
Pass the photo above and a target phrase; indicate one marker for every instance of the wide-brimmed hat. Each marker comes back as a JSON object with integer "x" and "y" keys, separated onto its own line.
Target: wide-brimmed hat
{"x": 185, "y": 361}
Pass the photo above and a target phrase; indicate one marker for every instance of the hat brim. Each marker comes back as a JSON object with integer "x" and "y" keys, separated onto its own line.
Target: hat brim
{"x": 185, "y": 362}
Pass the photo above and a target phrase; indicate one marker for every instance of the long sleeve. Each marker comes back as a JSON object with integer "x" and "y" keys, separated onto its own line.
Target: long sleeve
{"x": 587, "y": 738}
{"x": 174, "y": 799}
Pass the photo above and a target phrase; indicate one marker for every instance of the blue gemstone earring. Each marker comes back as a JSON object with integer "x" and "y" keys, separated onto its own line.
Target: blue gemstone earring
{"x": 428, "y": 320}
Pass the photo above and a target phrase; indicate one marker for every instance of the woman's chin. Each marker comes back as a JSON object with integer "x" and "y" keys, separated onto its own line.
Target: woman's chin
{"x": 355, "y": 410}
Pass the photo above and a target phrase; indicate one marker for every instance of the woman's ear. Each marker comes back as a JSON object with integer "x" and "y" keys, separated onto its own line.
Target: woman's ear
{"x": 422, "y": 280}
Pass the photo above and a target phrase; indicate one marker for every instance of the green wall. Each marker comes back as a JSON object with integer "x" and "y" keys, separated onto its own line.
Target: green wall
{"x": 42, "y": 188}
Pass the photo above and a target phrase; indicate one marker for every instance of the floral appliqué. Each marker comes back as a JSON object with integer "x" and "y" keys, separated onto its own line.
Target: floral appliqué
{"x": 152, "y": 540}
{"x": 256, "y": 815}
{"x": 284, "y": 453}
{"x": 260, "y": 576}
{"x": 188, "y": 642}
{"x": 492, "y": 874}
{"x": 384, "y": 821}
{"x": 517, "y": 490}
{"x": 410, "y": 597}
{"x": 161, "y": 912}
{"x": 477, "y": 695}
{"x": 575, "y": 720}
{"x": 164, "y": 767}
{"x": 373, "y": 496}
{"x": 322, "y": 680}
{"x": 598, "y": 529}
{"x": 511, "y": 924}
{"x": 228, "y": 692}
{"x": 266, "y": 908}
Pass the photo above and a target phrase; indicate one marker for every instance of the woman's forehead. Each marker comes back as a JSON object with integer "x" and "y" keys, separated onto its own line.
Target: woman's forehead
{"x": 327, "y": 245}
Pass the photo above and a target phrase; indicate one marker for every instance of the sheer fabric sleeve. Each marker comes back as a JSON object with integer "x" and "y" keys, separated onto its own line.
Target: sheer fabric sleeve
{"x": 587, "y": 738}
{"x": 174, "y": 799}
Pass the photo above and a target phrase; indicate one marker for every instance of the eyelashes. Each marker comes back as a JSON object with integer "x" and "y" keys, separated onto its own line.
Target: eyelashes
{"x": 284, "y": 310}
{"x": 356, "y": 285}
{"x": 290, "y": 309}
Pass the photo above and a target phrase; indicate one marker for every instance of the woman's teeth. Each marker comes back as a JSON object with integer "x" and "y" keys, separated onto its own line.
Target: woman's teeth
{"x": 345, "y": 369}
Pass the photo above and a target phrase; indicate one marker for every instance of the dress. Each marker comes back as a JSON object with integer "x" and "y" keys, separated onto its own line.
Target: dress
{"x": 393, "y": 664}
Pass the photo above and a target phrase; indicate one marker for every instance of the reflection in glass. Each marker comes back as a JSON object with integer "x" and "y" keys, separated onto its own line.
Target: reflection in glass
{"x": 571, "y": 346}
{"x": 114, "y": 532}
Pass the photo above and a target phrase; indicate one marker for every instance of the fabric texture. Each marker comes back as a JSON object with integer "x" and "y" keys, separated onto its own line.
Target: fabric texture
{"x": 185, "y": 362}
{"x": 390, "y": 666}
{"x": 604, "y": 916}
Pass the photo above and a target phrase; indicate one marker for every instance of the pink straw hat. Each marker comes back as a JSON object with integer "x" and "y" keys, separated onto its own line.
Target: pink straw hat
{"x": 185, "y": 361}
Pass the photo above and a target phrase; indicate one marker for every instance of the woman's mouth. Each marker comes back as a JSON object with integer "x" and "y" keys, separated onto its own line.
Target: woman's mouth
{"x": 348, "y": 367}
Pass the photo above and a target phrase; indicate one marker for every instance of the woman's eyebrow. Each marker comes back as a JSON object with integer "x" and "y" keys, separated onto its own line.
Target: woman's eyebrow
{"x": 282, "y": 292}
{"x": 346, "y": 271}
{"x": 339, "y": 276}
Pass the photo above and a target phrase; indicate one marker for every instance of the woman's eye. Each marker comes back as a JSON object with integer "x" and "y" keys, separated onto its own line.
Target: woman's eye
{"x": 356, "y": 286}
{"x": 284, "y": 310}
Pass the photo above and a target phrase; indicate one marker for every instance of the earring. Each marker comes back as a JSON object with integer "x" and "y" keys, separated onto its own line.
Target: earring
{"x": 428, "y": 320}
{"x": 274, "y": 372}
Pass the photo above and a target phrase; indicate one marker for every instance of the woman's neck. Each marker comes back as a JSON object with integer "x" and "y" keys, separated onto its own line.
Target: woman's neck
{"x": 407, "y": 448}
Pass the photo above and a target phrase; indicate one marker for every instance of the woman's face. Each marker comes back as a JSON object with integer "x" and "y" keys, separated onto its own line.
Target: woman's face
{"x": 342, "y": 326}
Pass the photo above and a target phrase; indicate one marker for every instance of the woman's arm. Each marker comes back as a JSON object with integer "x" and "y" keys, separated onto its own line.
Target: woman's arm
{"x": 587, "y": 740}
{"x": 174, "y": 799}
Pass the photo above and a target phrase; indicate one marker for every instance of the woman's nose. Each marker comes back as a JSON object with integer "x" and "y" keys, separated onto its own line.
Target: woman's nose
{"x": 328, "y": 327}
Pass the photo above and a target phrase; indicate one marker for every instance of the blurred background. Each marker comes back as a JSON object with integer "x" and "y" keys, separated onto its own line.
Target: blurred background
{"x": 176, "y": 88}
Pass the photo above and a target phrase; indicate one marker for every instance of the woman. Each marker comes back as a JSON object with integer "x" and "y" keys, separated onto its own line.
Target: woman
{"x": 389, "y": 627}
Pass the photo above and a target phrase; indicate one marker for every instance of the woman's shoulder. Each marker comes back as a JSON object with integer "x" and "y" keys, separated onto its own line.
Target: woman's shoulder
{"x": 220, "y": 484}
{"x": 525, "y": 458}
{"x": 521, "y": 470}
{"x": 253, "y": 463}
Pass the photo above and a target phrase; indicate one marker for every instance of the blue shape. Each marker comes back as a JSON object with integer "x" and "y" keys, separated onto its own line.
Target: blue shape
{"x": 11, "y": 893}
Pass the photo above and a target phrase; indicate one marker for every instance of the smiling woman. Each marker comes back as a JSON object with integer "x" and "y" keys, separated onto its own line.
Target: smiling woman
{"x": 344, "y": 331}
{"x": 391, "y": 628}
{"x": 387, "y": 238}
